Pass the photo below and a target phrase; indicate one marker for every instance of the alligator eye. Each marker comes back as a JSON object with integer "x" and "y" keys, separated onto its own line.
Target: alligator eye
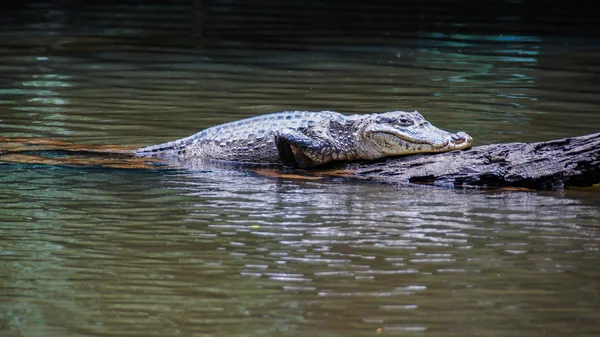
{"x": 404, "y": 121}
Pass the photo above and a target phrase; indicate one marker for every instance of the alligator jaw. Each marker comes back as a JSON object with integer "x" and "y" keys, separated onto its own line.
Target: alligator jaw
{"x": 442, "y": 145}
{"x": 393, "y": 144}
{"x": 454, "y": 141}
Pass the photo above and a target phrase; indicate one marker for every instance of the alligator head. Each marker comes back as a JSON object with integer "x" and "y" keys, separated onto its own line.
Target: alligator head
{"x": 399, "y": 132}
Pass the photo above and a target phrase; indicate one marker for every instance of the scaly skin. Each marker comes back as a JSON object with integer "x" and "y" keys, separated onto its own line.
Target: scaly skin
{"x": 306, "y": 139}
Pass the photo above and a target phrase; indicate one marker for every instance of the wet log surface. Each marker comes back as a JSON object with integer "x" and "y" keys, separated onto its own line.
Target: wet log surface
{"x": 43, "y": 151}
{"x": 553, "y": 164}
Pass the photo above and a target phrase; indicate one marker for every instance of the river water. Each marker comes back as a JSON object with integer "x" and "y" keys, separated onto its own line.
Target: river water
{"x": 226, "y": 252}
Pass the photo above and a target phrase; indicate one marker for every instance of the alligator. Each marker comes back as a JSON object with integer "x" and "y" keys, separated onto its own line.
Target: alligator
{"x": 306, "y": 139}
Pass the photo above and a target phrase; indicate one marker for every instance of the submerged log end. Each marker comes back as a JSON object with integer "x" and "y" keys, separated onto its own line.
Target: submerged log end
{"x": 545, "y": 165}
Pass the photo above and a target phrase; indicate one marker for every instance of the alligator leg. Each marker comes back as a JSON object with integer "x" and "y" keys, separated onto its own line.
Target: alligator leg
{"x": 295, "y": 149}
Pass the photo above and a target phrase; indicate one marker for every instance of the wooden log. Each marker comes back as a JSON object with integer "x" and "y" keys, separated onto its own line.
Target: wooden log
{"x": 553, "y": 164}
{"x": 547, "y": 165}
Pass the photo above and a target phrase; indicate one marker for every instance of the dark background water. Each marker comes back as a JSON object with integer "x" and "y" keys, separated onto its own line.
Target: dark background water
{"x": 90, "y": 252}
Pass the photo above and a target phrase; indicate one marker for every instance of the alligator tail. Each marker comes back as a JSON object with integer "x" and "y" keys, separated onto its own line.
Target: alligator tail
{"x": 169, "y": 148}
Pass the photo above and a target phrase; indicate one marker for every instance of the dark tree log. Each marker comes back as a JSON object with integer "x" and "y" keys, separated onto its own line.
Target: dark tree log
{"x": 546, "y": 165}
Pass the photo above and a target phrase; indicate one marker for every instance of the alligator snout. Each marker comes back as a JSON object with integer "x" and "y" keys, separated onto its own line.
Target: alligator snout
{"x": 461, "y": 138}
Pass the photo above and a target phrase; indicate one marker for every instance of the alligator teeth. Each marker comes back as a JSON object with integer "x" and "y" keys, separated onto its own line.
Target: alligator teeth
{"x": 444, "y": 144}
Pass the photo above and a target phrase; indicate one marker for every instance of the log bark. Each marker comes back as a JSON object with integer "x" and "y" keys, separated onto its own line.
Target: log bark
{"x": 547, "y": 165}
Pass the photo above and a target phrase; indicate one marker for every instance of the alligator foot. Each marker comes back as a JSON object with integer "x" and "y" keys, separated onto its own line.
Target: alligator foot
{"x": 295, "y": 149}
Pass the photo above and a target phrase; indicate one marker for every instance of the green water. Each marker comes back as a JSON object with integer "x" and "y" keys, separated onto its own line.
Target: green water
{"x": 226, "y": 252}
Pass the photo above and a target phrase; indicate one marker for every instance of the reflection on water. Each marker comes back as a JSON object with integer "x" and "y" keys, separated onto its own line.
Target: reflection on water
{"x": 496, "y": 86}
{"x": 189, "y": 253}
{"x": 228, "y": 252}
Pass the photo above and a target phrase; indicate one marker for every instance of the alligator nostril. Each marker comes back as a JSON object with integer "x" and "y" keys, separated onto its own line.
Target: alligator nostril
{"x": 460, "y": 138}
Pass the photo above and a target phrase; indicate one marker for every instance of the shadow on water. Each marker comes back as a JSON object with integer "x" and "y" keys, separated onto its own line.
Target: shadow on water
{"x": 228, "y": 252}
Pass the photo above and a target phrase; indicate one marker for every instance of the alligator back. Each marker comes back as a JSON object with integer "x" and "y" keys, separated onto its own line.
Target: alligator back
{"x": 246, "y": 140}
